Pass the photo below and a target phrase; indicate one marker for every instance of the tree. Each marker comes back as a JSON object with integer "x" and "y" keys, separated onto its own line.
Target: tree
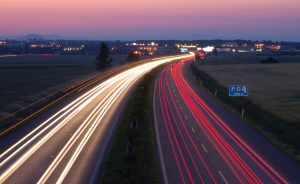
{"x": 133, "y": 56}
{"x": 103, "y": 57}
{"x": 26, "y": 48}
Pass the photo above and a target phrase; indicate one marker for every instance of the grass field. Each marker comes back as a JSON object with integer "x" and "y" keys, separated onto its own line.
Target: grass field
{"x": 273, "y": 105}
{"x": 25, "y": 79}
{"x": 274, "y": 87}
{"x": 246, "y": 58}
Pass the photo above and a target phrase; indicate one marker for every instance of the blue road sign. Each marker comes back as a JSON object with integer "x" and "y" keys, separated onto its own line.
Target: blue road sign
{"x": 238, "y": 90}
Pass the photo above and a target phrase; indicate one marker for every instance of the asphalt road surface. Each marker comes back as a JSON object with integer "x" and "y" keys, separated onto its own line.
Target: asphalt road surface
{"x": 68, "y": 143}
{"x": 200, "y": 141}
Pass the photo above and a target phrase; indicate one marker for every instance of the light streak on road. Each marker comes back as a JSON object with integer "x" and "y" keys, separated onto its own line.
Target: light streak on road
{"x": 103, "y": 97}
{"x": 241, "y": 162}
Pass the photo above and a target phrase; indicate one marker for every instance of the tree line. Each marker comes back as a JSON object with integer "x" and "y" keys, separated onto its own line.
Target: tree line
{"x": 104, "y": 60}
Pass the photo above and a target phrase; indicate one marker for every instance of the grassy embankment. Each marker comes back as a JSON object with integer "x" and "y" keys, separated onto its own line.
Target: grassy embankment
{"x": 131, "y": 158}
{"x": 268, "y": 95}
{"x": 37, "y": 81}
{"x": 25, "y": 79}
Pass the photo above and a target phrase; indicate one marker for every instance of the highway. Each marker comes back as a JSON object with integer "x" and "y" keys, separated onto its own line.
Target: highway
{"x": 68, "y": 144}
{"x": 200, "y": 141}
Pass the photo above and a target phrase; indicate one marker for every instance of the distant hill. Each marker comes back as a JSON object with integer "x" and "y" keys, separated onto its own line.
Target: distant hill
{"x": 30, "y": 37}
{"x": 33, "y": 36}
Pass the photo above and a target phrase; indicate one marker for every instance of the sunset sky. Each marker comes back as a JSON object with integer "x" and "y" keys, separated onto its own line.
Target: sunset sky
{"x": 153, "y": 19}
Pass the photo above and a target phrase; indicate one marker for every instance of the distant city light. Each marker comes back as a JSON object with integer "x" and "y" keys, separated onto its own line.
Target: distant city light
{"x": 259, "y": 47}
{"x": 72, "y": 49}
{"x": 208, "y": 48}
{"x": 184, "y": 50}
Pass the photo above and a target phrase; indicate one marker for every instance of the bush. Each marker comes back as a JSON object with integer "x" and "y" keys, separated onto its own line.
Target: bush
{"x": 133, "y": 56}
{"x": 197, "y": 56}
{"x": 269, "y": 60}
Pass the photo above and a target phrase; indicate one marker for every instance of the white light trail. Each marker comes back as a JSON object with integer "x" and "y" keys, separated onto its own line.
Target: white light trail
{"x": 14, "y": 157}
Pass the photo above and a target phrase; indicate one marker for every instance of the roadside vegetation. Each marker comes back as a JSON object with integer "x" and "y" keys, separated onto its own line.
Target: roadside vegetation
{"x": 269, "y": 60}
{"x": 285, "y": 133}
{"x": 274, "y": 87}
{"x": 131, "y": 157}
{"x": 247, "y": 58}
{"x": 30, "y": 83}
{"x": 197, "y": 57}
{"x": 133, "y": 56}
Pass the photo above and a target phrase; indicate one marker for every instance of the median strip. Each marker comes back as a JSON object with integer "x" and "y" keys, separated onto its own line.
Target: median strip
{"x": 131, "y": 157}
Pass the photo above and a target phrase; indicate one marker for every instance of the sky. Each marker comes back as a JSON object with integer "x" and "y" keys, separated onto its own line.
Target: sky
{"x": 153, "y": 19}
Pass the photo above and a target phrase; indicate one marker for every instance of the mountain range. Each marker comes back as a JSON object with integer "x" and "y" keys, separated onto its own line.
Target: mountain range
{"x": 33, "y": 36}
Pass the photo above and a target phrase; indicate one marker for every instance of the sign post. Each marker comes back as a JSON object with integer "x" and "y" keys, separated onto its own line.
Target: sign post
{"x": 238, "y": 90}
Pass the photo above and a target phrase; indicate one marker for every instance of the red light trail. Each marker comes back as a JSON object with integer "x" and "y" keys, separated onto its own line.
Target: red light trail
{"x": 242, "y": 162}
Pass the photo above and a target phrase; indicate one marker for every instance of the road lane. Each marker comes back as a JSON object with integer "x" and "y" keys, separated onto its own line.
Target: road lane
{"x": 197, "y": 145}
{"x": 65, "y": 147}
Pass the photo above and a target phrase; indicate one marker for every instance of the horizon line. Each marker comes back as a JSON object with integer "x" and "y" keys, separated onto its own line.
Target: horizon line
{"x": 81, "y": 38}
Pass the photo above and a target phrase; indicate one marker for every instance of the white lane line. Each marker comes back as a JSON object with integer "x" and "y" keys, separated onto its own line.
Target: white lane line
{"x": 223, "y": 177}
{"x": 180, "y": 107}
{"x": 185, "y": 117}
{"x": 204, "y": 148}
{"x": 193, "y": 130}
{"x": 158, "y": 140}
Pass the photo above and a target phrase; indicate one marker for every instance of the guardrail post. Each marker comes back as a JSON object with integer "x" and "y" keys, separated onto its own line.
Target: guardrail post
{"x": 243, "y": 112}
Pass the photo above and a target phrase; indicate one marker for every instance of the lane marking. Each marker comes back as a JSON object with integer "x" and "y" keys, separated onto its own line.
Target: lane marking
{"x": 204, "y": 148}
{"x": 193, "y": 130}
{"x": 158, "y": 136}
{"x": 180, "y": 107}
{"x": 185, "y": 117}
{"x": 223, "y": 177}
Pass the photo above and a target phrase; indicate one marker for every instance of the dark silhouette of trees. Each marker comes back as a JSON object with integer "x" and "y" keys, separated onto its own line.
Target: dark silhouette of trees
{"x": 26, "y": 48}
{"x": 103, "y": 57}
{"x": 133, "y": 56}
{"x": 269, "y": 60}
{"x": 197, "y": 57}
